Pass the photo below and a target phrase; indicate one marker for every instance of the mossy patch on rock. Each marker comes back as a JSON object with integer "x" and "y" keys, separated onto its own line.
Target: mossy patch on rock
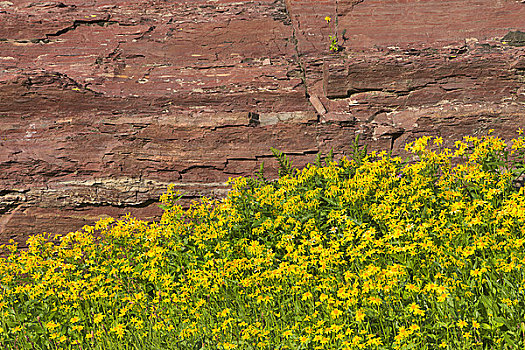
{"x": 516, "y": 38}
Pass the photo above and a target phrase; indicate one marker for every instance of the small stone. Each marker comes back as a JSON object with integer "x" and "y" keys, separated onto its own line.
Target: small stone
{"x": 317, "y": 104}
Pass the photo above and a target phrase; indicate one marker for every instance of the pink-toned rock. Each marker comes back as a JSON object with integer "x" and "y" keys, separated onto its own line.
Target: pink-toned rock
{"x": 436, "y": 23}
{"x": 105, "y": 103}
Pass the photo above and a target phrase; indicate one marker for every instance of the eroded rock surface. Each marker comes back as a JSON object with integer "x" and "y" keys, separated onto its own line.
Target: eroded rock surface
{"x": 105, "y": 103}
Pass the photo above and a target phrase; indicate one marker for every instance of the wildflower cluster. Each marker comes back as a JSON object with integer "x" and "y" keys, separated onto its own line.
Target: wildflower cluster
{"x": 374, "y": 253}
{"x": 334, "y": 42}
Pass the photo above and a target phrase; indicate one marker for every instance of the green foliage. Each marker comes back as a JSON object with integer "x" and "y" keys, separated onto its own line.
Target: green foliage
{"x": 367, "y": 252}
{"x": 334, "y": 43}
{"x": 358, "y": 152}
{"x": 285, "y": 165}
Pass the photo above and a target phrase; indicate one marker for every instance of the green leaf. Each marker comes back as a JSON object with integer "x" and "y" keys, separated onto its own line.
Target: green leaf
{"x": 260, "y": 173}
{"x": 486, "y": 326}
{"x": 285, "y": 165}
{"x": 329, "y": 157}
{"x": 318, "y": 160}
{"x": 501, "y": 321}
{"x": 509, "y": 340}
{"x": 163, "y": 207}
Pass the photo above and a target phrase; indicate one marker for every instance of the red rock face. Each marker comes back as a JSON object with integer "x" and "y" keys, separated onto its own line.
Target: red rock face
{"x": 105, "y": 103}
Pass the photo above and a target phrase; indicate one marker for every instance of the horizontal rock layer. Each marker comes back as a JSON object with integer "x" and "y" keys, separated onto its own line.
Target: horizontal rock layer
{"x": 105, "y": 103}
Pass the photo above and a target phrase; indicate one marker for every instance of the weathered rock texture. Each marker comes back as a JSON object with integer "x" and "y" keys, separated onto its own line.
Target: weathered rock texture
{"x": 104, "y": 103}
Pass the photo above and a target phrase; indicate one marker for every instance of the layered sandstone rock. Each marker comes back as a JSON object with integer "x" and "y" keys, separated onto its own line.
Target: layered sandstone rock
{"x": 105, "y": 103}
